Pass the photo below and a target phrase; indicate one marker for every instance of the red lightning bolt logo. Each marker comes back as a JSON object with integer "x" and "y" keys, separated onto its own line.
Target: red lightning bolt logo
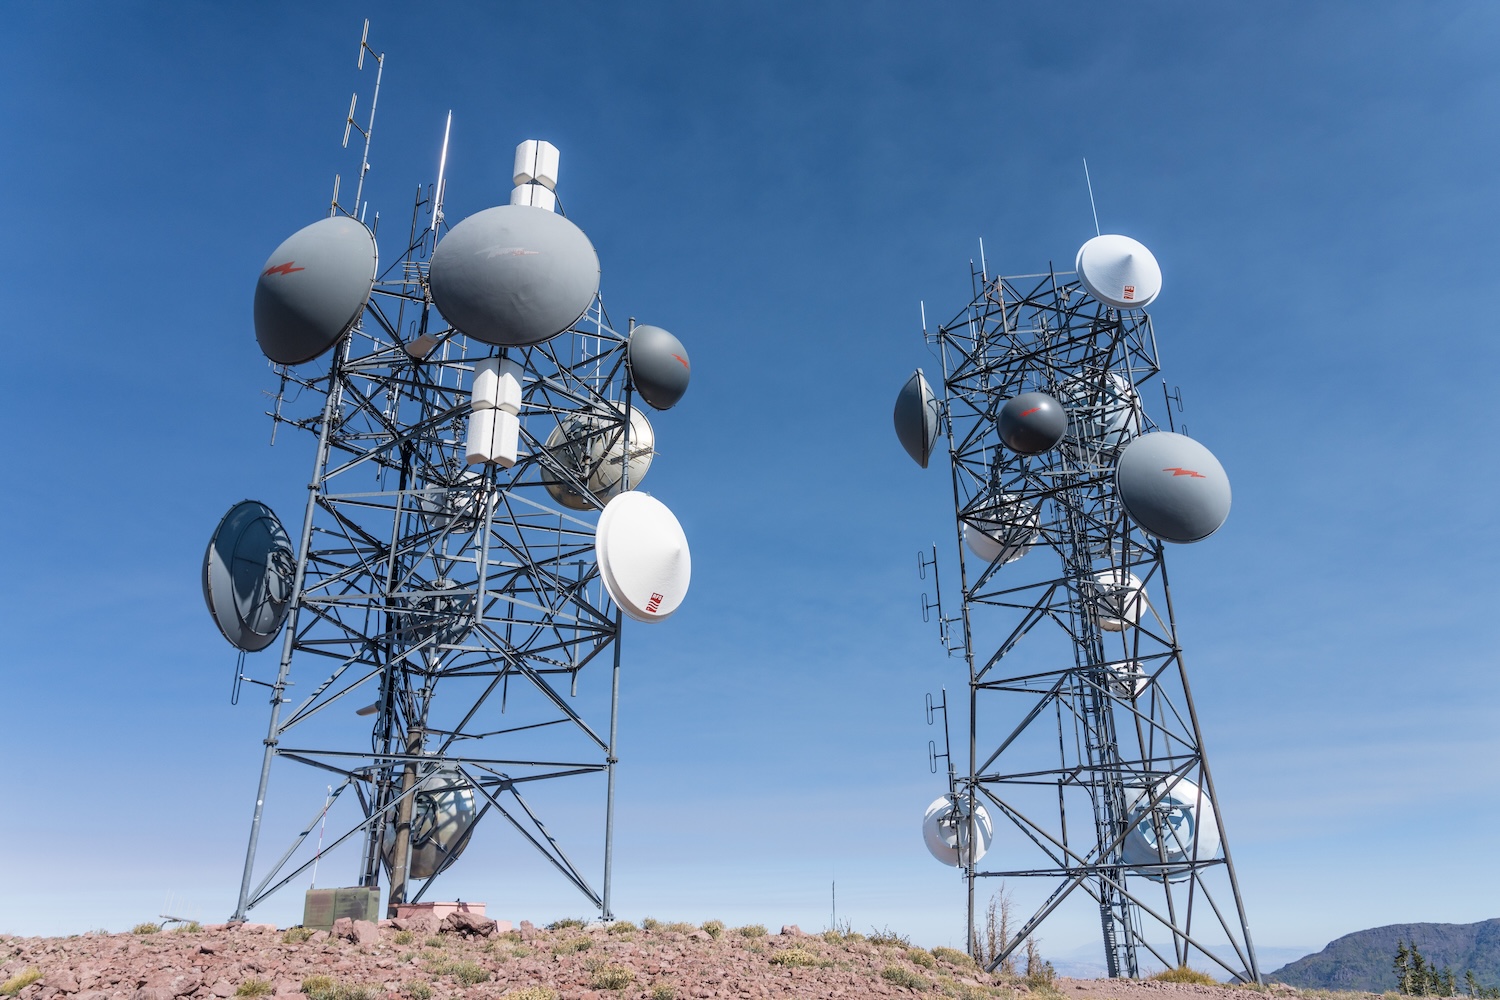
{"x": 1031, "y": 411}
{"x": 1178, "y": 471}
{"x": 679, "y": 357}
{"x": 286, "y": 268}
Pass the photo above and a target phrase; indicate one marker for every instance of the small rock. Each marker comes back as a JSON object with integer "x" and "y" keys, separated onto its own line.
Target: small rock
{"x": 791, "y": 930}
{"x": 366, "y": 934}
{"x": 528, "y": 930}
{"x": 468, "y": 924}
{"x": 222, "y": 988}
{"x": 318, "y": 937}
{"x": 700, "y": 935}
{"x": 207, "y": 949}
{"x": 62, "y": 980}
{"x": 343, "y": 929}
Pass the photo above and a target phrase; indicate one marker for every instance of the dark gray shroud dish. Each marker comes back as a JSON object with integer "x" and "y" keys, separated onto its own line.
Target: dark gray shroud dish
{"x": 1173, "y": 487}
{"x": 514, "y": 275}
{"x": 248, "y": 572}
{"x": 659, "y": 366}
{"x": 916, "y": 417}
{"x": 1032, "y": 423}
{"x": 313, "y": 288}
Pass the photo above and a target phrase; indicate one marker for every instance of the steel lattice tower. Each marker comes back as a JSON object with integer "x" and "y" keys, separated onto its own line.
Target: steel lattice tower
{"x": 466, "y": 601}
{"x": 1081, "y": 719}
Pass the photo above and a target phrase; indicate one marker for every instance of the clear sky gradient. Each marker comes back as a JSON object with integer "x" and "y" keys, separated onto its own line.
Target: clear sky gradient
{"x": 780, "y": 185}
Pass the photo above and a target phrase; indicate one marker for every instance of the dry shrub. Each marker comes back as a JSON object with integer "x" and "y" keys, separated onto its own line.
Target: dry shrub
{"x": 952, "y": 956}
{"x": 793, "y": 956}
{"x": 713, "y": 927}
{"x": 903, "y": 977}
{"x": 1183, "y": 974}
{"x": 20, "y": 981}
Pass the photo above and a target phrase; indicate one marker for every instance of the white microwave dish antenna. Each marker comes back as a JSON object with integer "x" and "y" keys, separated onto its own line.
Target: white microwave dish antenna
{"x": 1179, "y": 828}
{"x": 312, "y": 289}
{"x": 1173, "y": 487}
{"x": 1121, "y": 601}
{"x": 1003, "y": 529}
{"x": 643, "y": 556}
{"x": 514, "y": 275}
{"x": 1103, "y": 410}
{"x": 248, "y": 572}
{"x": 1118, "y": 271}
{"x": 947, "y": 831}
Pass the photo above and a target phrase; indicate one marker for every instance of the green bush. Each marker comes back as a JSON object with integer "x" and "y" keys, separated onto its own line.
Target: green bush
{"x": 903, "y": 977}
{"x": 663, "y": 992}
{"x": 296, "y": 935}
{"x": 751, "y": 930}
{"x": 677, "y": 927}
{"x": 325, "y": 988}
{"x": 713, "y": 927}
{"x": 146, "y": 928}
{"x": 434, "y": 942}
{"x": 793, "y": 956}
{"x": 417, "y": 990}
{"x": 1183, "y": 974}
{"x": 19, "y": 981}
{"x": 403, "y": 937}
{"x": 611, "y": 977}
{"x": 317, "y": 985}
{"x": 919, "y": 956}
{"x": 564, "y": 924}
{"x": 572, "y": 945}
{"x": 889, "y": 937}
{"x": 254, "y": 988}
{"x": 532, "y": 993}
{"x": 952, "y": 956}
{"x": 188, "y": 927}
{"x": 622, "y": 927}
{"x": 650, "y": 924}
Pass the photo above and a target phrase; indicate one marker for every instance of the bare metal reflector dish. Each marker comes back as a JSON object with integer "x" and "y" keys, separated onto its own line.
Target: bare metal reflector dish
{"x": 1173, "y": 487}
{"x": 442, "y": 812}
{"x": 1179, "y": 828}
{"x": 514, "y": 275}
{"x": 1032, "y": 423}
{"x": 1002, "y": 528}
{"x": 1119, "y": 271}
{"x": 659, "y": 366}
{"x": 948, "y": 831}
{"x": 248, "y": 572}
{"x": 916, "y": 418}
{"x": 643, "y": 556}
{"x": 313, "y": 288}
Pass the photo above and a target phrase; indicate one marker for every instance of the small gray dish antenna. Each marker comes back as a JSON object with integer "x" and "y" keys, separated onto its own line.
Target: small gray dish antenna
{"x": 442, "y": 813}
{"x": 659, "y": 366}
{"x": 1173, "y": 487}
{"x": 916, "y": 418}
{"x": 313, "y": 288}
{"x": 514, "y": 275}
{"x": 248, "y": 572}
{"x": 1032, "y": 423}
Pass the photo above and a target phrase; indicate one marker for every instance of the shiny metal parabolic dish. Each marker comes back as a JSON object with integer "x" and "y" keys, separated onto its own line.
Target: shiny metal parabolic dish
{"x": 313, "y": 288}
{"x": 1180, "y": 828}
{"x": 514, "y": 275}
{"x": 248, "y": 573}
{"x": 442, "y": 812}
{"x": 1173, "y": 487}
{"x": 659, "y": 366}
{"x": 1032, "y": 423}
{"x": 916, "y": 418}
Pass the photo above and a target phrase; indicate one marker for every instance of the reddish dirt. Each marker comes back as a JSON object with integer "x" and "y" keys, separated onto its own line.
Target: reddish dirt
{"x": 670, "y": 961}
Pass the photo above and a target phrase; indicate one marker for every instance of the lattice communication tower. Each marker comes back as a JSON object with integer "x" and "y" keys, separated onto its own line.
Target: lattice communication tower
{"x": 1081, "y": 727}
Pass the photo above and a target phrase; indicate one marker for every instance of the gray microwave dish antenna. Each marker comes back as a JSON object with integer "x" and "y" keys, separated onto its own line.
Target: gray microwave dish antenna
{"x": 1032, "y": 423}
{"x": 643, "y": 556}
{"x": 1173, "y": 486}
{"x": 659, "y": 366}
{"x": 514, "y": 275}
{"x": 916, "y": 418}
{"x": 312, "y": 289}
{"x": 248, "y": 572}
{"x": 948, "y": 832}
{"x": 442, "y": 814}
{"x": 1118, "y": 271}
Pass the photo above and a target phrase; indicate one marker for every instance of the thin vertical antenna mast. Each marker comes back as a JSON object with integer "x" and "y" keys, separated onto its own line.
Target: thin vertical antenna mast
{"x": 364, "y": 164}
{"x": 1089, "y": 181}
{"x": 442, "y": 183}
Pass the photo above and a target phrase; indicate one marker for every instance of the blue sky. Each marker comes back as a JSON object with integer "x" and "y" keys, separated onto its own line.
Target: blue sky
{"x": 780, "y": 185}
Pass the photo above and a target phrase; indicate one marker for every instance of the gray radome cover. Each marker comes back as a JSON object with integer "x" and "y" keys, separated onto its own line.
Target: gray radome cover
{"x": 916, "y": 417}
{"x": 248, "y": 572}
{"x": 658, "y": 365}
{"x": 514, "y": 275}
{"x": 1032, "y": 423}
{"x": 312, "y": 289}
{"x": 1173, "y": 487}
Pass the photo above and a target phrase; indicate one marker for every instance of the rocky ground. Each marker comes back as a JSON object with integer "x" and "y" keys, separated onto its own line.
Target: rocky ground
{"x": 474, "y": 959}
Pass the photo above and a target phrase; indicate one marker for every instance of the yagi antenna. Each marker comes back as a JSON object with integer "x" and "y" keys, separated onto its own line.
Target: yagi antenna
{"x": 367, "y": 130}
{"x": 1087, "y": 180}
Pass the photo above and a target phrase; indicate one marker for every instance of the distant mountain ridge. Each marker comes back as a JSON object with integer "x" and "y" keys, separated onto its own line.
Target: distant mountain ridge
{"x": 1362, "y": 960}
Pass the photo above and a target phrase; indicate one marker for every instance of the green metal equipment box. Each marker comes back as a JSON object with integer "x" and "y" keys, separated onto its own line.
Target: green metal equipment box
{"x": 323, "y": 906}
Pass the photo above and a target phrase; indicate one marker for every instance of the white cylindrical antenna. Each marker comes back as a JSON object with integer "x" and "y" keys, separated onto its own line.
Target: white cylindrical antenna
{"x": 364, "y": 39}
{"x": 984, "y": 268}
{"x": 1094, "y": 208}
{"x": 923, "y": 304}
{"x": 437, "y": 207}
